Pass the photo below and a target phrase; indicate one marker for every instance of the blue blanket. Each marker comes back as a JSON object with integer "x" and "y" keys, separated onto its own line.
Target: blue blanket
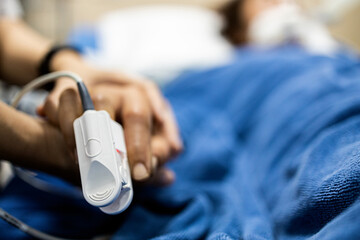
{"x": 272, "y": 151}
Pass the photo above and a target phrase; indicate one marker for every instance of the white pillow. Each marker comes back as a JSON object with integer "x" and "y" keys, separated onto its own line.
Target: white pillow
{"x": 160, "y": 40}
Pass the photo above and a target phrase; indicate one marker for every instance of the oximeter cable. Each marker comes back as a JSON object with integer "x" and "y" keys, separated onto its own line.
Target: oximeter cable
{"x": 25, "y": 228}
{"x": 40, "y": 81}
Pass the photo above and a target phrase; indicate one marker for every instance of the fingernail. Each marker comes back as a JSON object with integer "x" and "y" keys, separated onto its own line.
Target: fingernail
{"x": 140, "y": 172}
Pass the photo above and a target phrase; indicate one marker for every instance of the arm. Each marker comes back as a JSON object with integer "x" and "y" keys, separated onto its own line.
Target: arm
{"x": 21, "y": 50}
{"x": 34, "y": 144}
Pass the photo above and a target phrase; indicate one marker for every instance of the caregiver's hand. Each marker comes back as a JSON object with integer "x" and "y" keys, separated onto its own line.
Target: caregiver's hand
{"x": 150, "y": 129}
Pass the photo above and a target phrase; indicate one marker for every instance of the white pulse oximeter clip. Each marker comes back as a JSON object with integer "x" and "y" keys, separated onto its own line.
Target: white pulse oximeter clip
{"x": 104, "y": 169}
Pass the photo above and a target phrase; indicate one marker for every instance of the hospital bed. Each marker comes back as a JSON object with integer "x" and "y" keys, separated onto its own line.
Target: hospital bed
{"x": 293, "y": 176}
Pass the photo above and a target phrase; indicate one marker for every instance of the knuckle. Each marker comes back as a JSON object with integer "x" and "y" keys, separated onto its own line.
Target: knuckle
{"x": 135, "y": 116}
{"x": 135, "y": 90}
{"x": 136, "y": 150}
{"x": 150, "y": 84}
{"x": 141, "y": 85}
{"x": 99, "y": 98}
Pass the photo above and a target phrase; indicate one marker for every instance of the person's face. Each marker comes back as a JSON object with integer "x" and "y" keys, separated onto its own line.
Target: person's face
{"x": 252, "y": 8}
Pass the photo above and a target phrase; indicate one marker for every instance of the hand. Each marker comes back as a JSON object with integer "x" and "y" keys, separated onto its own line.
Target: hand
{"x": 150, "y": 130}
{"x": 147, "y": 146}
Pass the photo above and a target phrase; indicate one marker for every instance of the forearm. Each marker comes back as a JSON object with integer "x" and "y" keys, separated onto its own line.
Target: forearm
{"x": 16, "y": 132}
{"x": 32, "y": 143}
{"x": 21, "y": 51}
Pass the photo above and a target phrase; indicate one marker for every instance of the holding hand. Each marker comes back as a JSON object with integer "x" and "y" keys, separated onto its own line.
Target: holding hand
{"x": 151, "y": 133}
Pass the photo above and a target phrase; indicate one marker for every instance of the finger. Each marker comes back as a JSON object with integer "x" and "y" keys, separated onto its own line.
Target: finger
{"x": 102, "y": 103}
{"x": 136, "y": 118}
{"x": 51, "y": 108}
{"x": 164, "y": 116}
{"x": 163, "y": 177}
{"x": 156, "y": 99}
{"x": 171, "y": 131}
{"x": 52, "y": 101}
{"x": 168, "y": 131}
{"x": 160, "y": 149}
{"x": 69, "y": 110}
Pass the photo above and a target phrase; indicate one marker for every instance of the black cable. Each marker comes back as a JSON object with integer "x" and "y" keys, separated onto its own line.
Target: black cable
{"x": 85, "y": 97}
{"x": 26, "y": 228}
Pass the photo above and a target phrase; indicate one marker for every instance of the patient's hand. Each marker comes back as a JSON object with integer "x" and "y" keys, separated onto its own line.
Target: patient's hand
{"x": 35, "y": 144}
{"x": 150, "y": 129}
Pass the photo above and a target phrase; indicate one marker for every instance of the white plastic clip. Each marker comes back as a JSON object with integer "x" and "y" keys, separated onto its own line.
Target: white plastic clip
{"x": 104, "y": 169}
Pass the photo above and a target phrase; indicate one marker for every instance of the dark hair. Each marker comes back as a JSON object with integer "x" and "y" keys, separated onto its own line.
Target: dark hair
{"x": 235, "y": 26}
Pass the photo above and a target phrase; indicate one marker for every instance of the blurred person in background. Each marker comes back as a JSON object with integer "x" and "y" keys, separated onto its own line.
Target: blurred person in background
{"x": 267, "y": 24}
{"x": 150, "y": 129}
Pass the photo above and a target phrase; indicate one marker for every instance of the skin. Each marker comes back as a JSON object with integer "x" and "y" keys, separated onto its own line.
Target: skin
{"x": 48, "y": 145}
{"x": 253, "y": 8}
{"x": 34, "y": 144}
{"x": 250, "y": 9}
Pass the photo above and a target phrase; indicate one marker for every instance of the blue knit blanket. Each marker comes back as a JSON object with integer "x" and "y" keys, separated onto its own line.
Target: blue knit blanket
{"x": 272, "y": 151}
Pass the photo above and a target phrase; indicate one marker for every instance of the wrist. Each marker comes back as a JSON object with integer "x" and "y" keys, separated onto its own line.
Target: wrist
{"x": 64, "y": 60}
{"x": 68, "y": 60}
